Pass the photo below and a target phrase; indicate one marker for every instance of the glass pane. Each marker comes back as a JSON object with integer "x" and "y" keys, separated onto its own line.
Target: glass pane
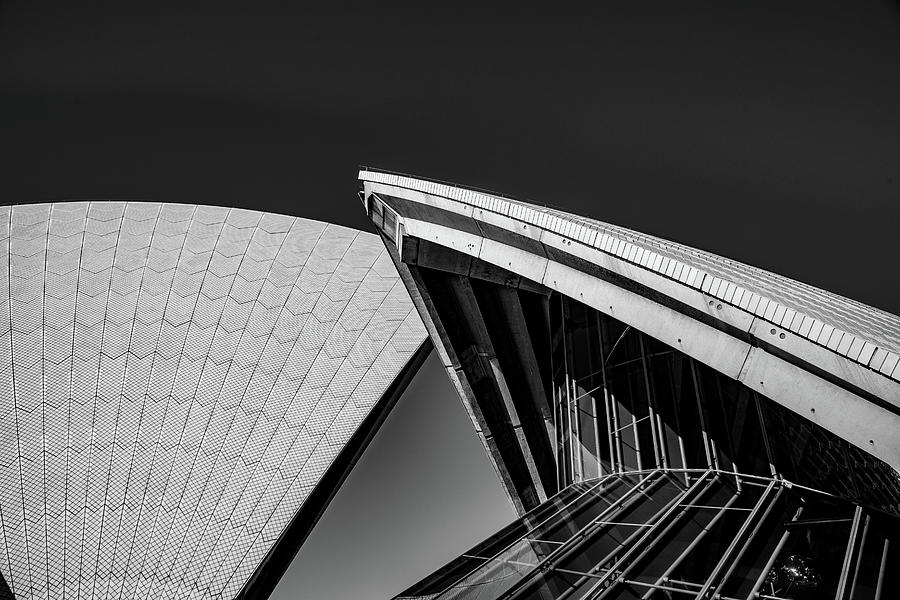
{"x": 498, "y": 575}
{"x": 628, "y": 388}
{"x": 578, "y": 570}
{"x": 576, "y": 517}
{"x": 697, "y": 564}
{"x": 689, "y": 525}
{"x": 750, "y": 566}
{"x": 747, "y": 446}
{"x": 554, "y": 585}
{"x": 810, "y": 563}
{"x": 478, "y": 555}
{"x": 817, "y": 458}
{"x": 875, "y": 575}
{"x": 591, "y": 556}
{"x": 586, "y": 371}
{"x": 667, "y": 397}
{"x": 676, "y": 405}
{"x": 713, "y": 403}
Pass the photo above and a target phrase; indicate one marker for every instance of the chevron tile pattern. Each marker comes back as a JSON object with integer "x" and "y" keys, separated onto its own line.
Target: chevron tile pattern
{"x": 174, "y": 380}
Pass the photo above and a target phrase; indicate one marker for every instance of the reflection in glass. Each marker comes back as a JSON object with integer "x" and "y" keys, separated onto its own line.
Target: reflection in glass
{"x": 706, "y": 488}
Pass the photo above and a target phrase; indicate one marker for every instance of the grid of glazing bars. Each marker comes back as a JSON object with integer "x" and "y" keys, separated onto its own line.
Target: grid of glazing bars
{"x": 174, "y": 380}
{"x": 679, "y": 482}
{"x": 692, "y": 534}
{"x": 624, "y": 401}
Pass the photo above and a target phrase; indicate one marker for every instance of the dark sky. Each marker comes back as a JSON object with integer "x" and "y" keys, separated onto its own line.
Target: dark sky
{"x": 768, "y": 132}
{"x": 765, "y": 131}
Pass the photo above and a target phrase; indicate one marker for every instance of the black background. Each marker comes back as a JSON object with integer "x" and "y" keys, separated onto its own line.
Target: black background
{"x": 766, "y": 132}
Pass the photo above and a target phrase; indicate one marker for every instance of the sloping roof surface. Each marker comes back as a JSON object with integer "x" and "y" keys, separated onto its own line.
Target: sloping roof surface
{"x": 861, "y": 333}
{"x": 174, "y": 380}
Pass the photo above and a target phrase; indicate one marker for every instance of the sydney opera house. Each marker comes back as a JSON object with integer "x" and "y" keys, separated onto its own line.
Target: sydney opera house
{"x": 184, "y": 389}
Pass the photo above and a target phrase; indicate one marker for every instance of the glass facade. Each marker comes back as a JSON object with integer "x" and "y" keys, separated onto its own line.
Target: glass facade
{"x": 697, "y": 534}
{"x": 641, "y": 470}
{"x": 678, "y": 482}
{"x": 626, "y": 402}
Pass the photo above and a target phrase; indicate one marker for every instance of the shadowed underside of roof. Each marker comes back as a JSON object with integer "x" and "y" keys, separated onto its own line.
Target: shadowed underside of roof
{"x": 482, "y": 270}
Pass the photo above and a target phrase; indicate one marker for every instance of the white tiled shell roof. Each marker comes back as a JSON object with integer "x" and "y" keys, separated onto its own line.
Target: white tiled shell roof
{"x": 174, "y": 380}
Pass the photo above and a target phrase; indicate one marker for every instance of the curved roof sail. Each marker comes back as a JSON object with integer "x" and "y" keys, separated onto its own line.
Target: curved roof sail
{"x": 182, "y": 389}
{"x": 831, "y": 360}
